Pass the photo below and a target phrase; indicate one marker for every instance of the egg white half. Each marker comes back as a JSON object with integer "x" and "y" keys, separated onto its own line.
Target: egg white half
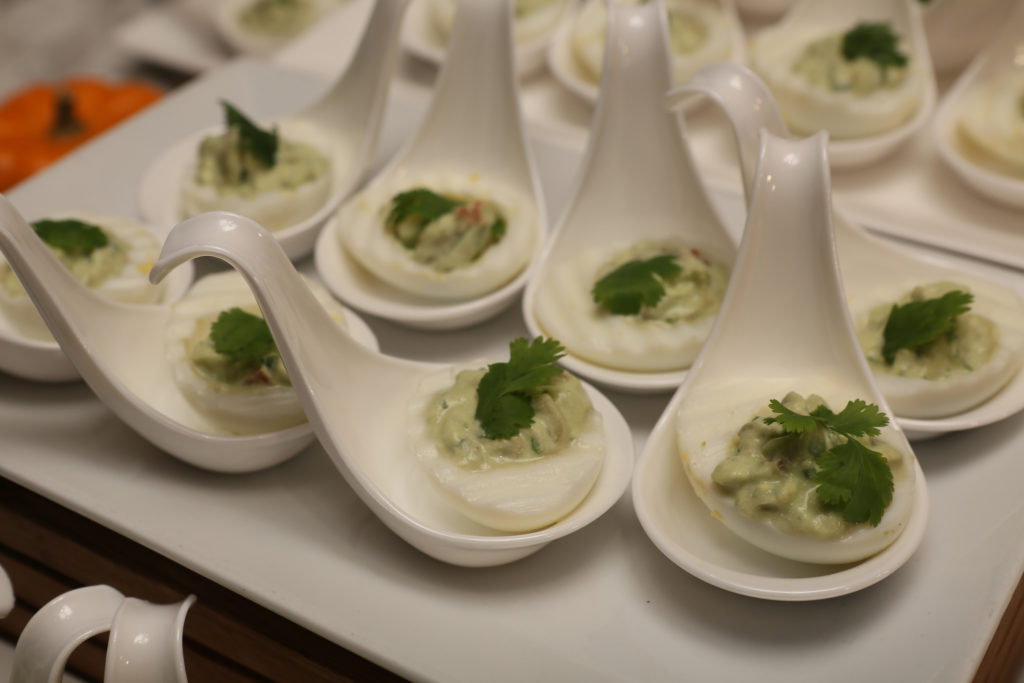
{"x": 808, "y": 109}
{"x": 529, "y": 27}
{"x": 276, "y": 209}
{"x": 514, "y": 497}
{"x": 992, "y": 117}
{"x": 130, "y": 285}
{"x": 566, "y": 311}
{"x": 923, "y": 398}
{"x": 362, "y": 233}
{"x": 704, "y": 430}
{"x": 235, "y": 408}
{"x": 587, "y": 37}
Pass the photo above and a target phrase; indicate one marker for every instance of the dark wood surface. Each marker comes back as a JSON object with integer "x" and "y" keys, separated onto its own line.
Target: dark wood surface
{"x": 48, "y": 550}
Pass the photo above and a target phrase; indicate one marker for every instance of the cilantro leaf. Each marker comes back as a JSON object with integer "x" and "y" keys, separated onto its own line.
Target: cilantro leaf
{"x": 634, "y": 284}
{"x": 875, "y": 41}
{"x": 261, "y": 144}
{"x": 506, "y": 390}
{"x": 419, "y": 207}
{"x": 241, "y": 336}
{"x": 76, "y": 238}
{"x": 919, "y": 322}
{"x": 858, "y": 418}
{"x": 857, "y": 479}
{"x": 791, "y": 421}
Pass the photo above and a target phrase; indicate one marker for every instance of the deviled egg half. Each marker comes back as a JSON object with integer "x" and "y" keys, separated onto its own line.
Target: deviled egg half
{"x": 276, "y": 179}
{"x": 797, "y": 477}
{"x": 698, "y": 31}
{"x": 991, "y": 123}
{"x": 442, "y": 236}
{"x": 224, "y": 359}
{"x": 939, "y": 349}
{"x": 645, "y": 307}
{"x": 262, "y": 26}
{"x": 534, "y": 20}
{"x": 855, "y": 82}
{"x": 514, "y": 446}
{"x": 109, "y": 254}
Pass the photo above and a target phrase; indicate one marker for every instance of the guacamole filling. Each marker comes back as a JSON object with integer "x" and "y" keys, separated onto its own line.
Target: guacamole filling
{"x": 823, "y": 66}
{"x": 526, "y": 7}
{"x": 561, "y": 414}
{"x": 92, "y": 267}
{"x": 279, "y": 18}
{"x": 229, "y": 166}
{"x": 971, "y": 342}
{"x": 231, "y": 373}
{"x": 693, "y": 294}
{"x": 444, "y": 232}
{"x": 770, "y": 474}
{"x": 686, "y": 33}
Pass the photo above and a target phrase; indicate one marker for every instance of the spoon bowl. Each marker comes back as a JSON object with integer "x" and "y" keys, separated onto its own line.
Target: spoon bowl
{"x": 786, "y": 294}
{"x": 875, "y": 271}
{"x": 332, "y": 377}
{"x": 134, "y": 380}
{"x": 344, "y": 125}
{"x": 994, "y": 73}
{"x": 472, "y": 140}
{"x": 631, "y": 130}
{"x": 808, "y": 20}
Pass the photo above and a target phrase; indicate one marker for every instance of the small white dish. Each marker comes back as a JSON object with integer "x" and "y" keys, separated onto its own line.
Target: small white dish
{"x": 145, "y": 644}
{"x": 334, "y": 377}
{"x": 808, "y": 20}
{"x": 42, "y": 360}
{"x": 423, "y": 38}
{"x": 661, "y": 199}
{"x": 875, "y": 271}
{"x": 60, "y": 626}
{"x": 958, "y": 29}
{"x": 344, "y": 124}
{"x": 568, "y": 69}
{"x": 975, "y": 166}
{"x": 134, "y": 379}
{"x": 225, "y": 16}
{"x": 785, "y": 256}
{"x": 472, "y": 134}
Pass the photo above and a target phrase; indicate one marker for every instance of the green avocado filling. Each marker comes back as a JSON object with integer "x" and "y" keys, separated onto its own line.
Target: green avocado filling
{"x": 235, "y": 349}
{"x": 862, "y": 61}
{"x": 279, "y": 18}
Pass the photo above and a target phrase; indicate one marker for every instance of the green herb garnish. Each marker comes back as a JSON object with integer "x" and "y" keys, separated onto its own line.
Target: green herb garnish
{"x": 241, "y": 336}
{"x": 876, "y": 42}
{"x": 850, "y": 476}
{"x": 75, "y": 238}
{"x": 919, "y": 322}
{"x": 506, "y": 391}
{"x": 413, "y": 210}
{"x": 260, "y": 144}
{"x": 635, "y": 284}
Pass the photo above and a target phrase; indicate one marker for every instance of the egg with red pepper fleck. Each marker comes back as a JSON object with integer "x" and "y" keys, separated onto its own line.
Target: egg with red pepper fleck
{"x": 643, "y": 307}
{"x": 441, "y": 236}
{"x": 240, "y": 388}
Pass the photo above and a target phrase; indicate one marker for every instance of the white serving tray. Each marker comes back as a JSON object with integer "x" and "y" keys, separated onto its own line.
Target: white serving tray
{"x": 601, "y": 605}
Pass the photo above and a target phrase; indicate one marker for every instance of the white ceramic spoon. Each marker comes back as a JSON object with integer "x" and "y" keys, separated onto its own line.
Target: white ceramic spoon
{"x": 344, "y": 124}
{"x": 808, "y": 20}
{"x": 423, "y": 37}
{"x": 568, "y": 69}
{"x": 119, "y": 350}
{"x": 1000, "y": 71}
{"x": 638, "y": 184}
{"x": 145, "y": 644}
{"x": 473, "y": 133}
{"x": 6, "y": 594}
{"x": 42, "y": 360}
{"x": 60, "y": 626}
{"x": 357, "y": 402}
{"x": 783, "y": 327}
{"x": 876, "y": 272}
{"x": 226, "y": 17}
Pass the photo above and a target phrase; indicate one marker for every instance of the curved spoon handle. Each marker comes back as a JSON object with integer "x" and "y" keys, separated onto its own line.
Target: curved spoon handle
{"x": 146, "y": 643}
{"x": 58, "y": 628}
{"x": 6, "y": 594}
{"x": 475, "y": 110}
{"x": 748, "y": 104}
{"x": 356, "y": 101}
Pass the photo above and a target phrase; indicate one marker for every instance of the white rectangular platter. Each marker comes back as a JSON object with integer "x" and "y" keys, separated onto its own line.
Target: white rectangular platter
{"x": 601, "y": 605}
